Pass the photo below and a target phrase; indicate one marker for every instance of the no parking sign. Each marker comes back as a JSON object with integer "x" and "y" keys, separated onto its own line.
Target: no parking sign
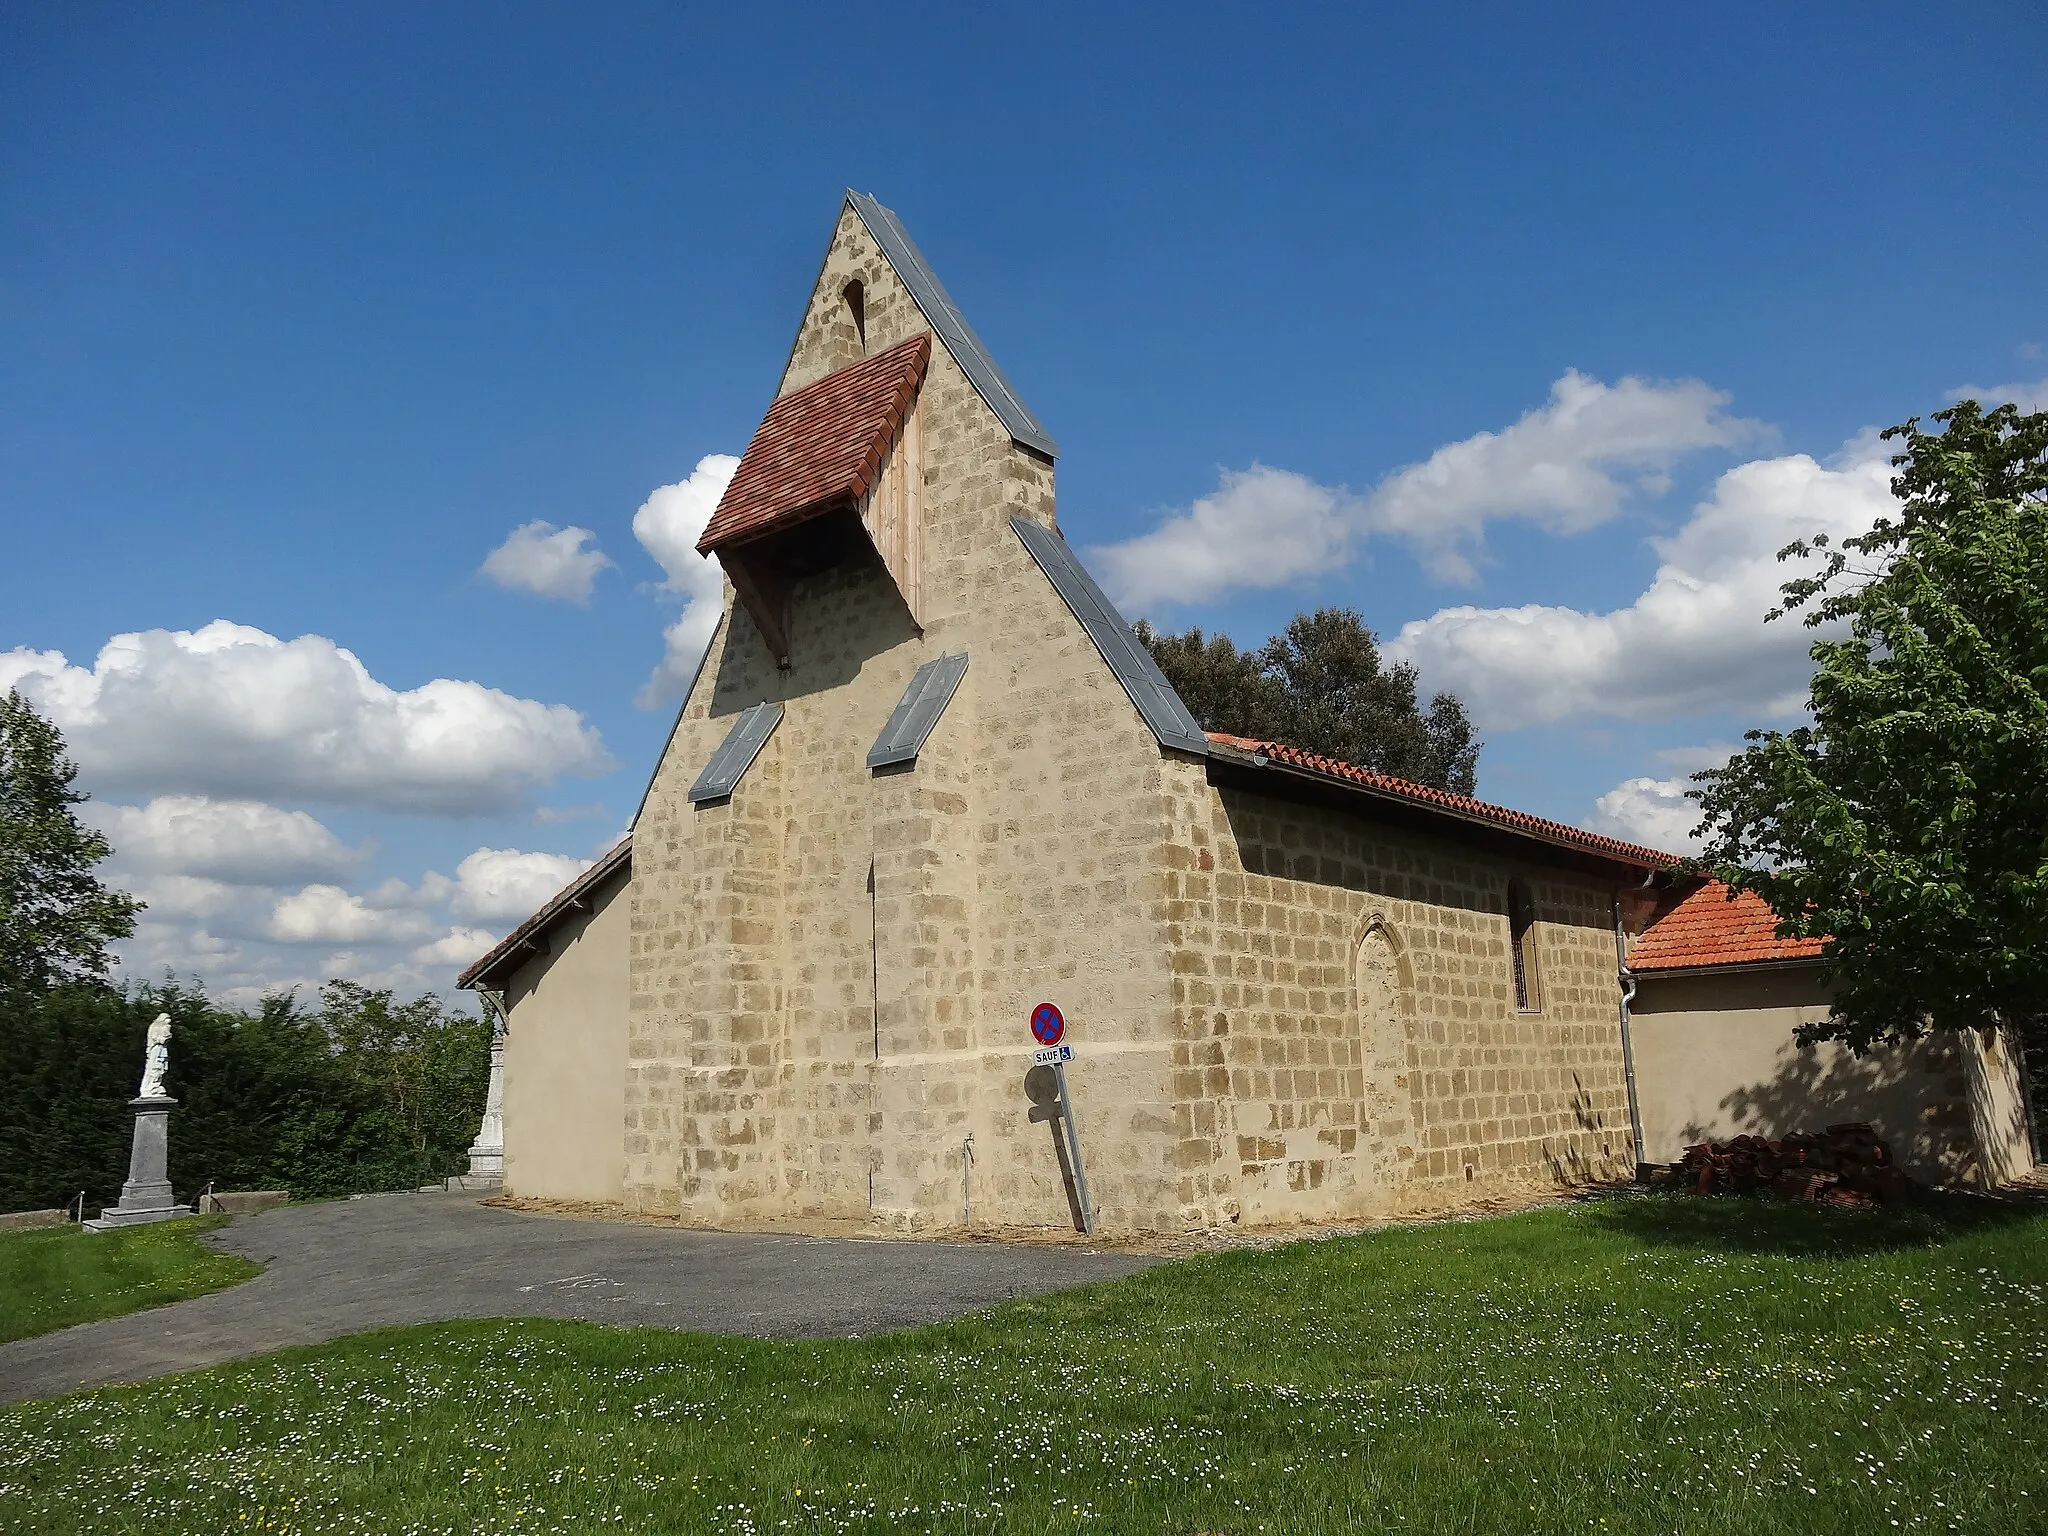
{"x": 1048, "y": 1027}
{"x": 1048, "y": 1024}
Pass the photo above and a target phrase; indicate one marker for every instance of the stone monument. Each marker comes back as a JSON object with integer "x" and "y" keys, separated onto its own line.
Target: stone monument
{"x": 146, "y": 1196}
{"x": 487, "y": 1152}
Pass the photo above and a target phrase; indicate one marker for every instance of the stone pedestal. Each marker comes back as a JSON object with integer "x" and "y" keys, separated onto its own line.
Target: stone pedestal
{"x": 146, "y": 1197}
{"x": 487, "y": 1152}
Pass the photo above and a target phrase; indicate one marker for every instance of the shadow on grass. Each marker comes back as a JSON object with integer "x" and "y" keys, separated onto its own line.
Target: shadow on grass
{"x": 1764, "y": 1224}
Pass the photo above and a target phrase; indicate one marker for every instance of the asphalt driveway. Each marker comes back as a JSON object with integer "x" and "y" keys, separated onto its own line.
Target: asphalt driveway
{"x": 340, "y": 1268}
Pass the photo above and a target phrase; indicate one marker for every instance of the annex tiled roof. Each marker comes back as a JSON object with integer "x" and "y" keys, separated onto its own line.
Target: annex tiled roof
{"x": 528, "y": 934}
{"x": 1707, "y": 929}
{"x": 1458, "y": 805}
{"x": 821, "y": 446}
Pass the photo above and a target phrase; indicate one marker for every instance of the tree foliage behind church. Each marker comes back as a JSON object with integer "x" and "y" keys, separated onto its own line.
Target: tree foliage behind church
{"x": 361, "y": 1093}
{"x": 1908, "y": 824}
{"x": 1321, "y": 685}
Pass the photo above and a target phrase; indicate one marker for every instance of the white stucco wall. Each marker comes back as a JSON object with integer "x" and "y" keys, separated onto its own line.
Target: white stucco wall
{"x": 565, "y": 1057}
{"x": 1715, "y": 1058}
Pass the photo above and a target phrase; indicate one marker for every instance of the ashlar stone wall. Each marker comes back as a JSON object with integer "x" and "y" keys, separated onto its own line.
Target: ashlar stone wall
{"x": 1349, "y": 1038}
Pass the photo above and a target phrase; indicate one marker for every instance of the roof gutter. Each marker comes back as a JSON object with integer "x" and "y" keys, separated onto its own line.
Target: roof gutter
{"x": 1627, "y": 979}
{"x": 1730, "y": 968}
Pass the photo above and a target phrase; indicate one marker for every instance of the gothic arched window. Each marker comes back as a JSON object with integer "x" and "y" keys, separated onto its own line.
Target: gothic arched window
{"x": 1522, "y": 946}
{"x": 856, "y": 296}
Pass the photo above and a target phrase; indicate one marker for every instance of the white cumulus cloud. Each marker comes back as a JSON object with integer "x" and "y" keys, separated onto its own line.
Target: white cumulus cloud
{"x": 668, "y": 525}
{"x": 1695, "y": 641}
{"x": 1653, "y": 812}
{"x": 327, "y": 914}
{"x": 2028, "y": 397}
{"x": 1263, "y": 527}
{"x": 503, "y": 884}
{"x": 458, "y": 948}
{"x": 1566, "y": 466}
{"x": 231, "y": 712}
{"x": 245, "y": 939}
{"x": 240, "y": 842}
{"x": 552, "y": 562}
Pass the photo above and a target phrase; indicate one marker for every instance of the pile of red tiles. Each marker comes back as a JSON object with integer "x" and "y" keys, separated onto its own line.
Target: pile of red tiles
{"x": 1845, "y": 1165}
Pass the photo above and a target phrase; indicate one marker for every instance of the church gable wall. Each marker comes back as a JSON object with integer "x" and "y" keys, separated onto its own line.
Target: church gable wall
{"x": 803, "y": 1045}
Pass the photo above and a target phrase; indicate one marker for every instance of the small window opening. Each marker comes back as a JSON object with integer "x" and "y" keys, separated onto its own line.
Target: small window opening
{"x": 856, "y": 297}
{"x": 1522, "y": 945}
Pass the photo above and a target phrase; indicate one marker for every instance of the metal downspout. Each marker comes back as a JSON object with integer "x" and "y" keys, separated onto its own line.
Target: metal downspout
{"x": 1627, "y": 979}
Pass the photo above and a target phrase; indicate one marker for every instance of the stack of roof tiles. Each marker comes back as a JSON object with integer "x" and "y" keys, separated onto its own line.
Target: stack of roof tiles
{"x": 820, "y": 447}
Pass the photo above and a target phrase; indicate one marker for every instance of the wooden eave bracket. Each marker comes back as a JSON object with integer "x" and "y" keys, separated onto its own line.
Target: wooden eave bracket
{"x": 765, "y": 595}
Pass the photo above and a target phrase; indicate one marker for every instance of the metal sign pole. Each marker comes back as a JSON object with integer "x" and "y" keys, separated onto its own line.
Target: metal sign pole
{"x": 1059, "y": 1069}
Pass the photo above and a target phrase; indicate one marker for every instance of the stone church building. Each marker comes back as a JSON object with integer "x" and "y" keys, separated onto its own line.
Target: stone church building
{"x": 926, "y": 778}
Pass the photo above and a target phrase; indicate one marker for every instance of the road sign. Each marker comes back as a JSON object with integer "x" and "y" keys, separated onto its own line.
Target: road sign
{"x": 1047, "y": 1024}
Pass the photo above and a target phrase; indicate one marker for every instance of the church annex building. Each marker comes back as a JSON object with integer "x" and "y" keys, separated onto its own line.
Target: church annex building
{"x": 926, "y": 778}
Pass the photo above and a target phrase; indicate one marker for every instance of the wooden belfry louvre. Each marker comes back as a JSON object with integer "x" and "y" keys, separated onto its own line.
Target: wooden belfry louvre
{"x": 836, "y": 463}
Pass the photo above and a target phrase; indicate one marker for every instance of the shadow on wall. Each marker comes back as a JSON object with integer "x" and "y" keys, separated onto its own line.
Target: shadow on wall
{"x": 1041, "y": 1087}
{"x": 1569, "y": 1165}
{"x": 1917, "y": 1096}
{"x": 841, "y": 616}
{"x": 1330, "y": 845}
{"x": 1716, "y": 1057}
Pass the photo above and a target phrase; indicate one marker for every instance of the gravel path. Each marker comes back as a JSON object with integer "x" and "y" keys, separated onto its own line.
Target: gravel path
{"x": 342, "y": 1267}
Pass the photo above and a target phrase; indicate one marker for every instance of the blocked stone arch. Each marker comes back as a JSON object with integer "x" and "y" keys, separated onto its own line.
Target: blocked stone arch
{"x": 1383, "y": 1004}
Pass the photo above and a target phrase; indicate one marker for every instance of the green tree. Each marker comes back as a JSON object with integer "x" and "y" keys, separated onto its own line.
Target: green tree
{"x": 1322, "y": 686}
{"x": 424, "y": 1068}
{"x": 1226, "y": 689}
{"x": 361, "y": 1094}
{"x": 1907, "y": 826}
{"x": 56, "y": 918}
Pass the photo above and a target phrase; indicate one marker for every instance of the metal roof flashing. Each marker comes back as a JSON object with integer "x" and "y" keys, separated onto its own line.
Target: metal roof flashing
{"x": 916, "y": 715}
{"x": 1171, "y": 723}
{"x": 982, "y": 370}
{"x": 735, "y": 755}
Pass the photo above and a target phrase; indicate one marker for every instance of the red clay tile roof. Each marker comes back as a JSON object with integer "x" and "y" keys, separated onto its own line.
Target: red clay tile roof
{"x": 1706, "y": 928}
{"x": 820, "y": 446}
{"x": 1460, "y": 805}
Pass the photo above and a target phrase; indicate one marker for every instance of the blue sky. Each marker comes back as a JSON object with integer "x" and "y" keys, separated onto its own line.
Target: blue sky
{"x": 303, "y": 310}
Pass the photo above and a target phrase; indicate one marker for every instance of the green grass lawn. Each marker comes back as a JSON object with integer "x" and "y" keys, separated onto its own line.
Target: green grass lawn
{"x": 52, "y": 1277}
{"x": 1652, "y": 1364}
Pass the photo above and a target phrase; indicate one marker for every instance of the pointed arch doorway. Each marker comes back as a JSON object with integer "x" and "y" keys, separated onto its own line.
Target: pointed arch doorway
{"x": 1387, "y": 1105}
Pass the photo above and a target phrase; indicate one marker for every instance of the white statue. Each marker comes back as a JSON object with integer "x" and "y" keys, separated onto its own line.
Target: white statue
{"x": 156, "y": 1060}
